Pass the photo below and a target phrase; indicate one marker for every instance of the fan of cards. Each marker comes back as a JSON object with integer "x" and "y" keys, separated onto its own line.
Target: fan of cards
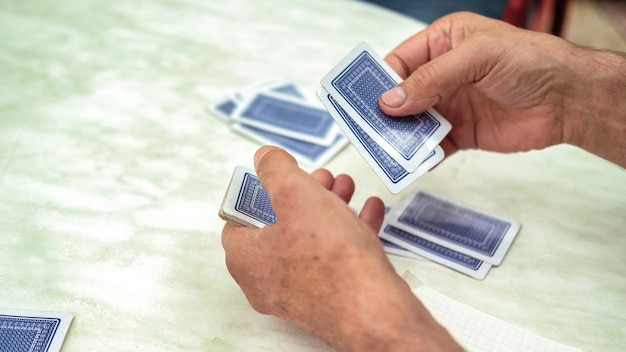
{"x": 421, "y": 225}
{"x": 398, "y": 149}
{"x": 276, "y": 112}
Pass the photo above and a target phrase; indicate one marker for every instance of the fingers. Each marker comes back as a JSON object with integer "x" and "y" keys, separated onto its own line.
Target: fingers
{"x": 233, "y": 236}
{"x": 438, "y": 79}
{"x": 285, "y": 183}
{"x": 373, "y": 213}
{"x": 343, "y": 187}
{"x": 434, "y": 63}
{"x": 324, "y": 177}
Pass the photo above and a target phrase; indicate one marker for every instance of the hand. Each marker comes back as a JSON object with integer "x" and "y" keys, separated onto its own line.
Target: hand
{"x": 502, "y": 88}
{"x": 322, "y": 267}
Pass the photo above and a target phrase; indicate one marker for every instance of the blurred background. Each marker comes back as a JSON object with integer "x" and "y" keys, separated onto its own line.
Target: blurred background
{"x": 599, "y": 23}
{"x": 595, "y": 23}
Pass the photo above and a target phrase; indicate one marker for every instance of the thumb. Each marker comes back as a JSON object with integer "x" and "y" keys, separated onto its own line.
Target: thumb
{"x": 273, "y": 164}
{"x": 436, "y": 80}
{"x": 281, "y": 178}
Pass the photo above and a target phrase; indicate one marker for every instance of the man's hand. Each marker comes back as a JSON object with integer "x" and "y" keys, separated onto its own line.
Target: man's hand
{"x": 321, "y": 266}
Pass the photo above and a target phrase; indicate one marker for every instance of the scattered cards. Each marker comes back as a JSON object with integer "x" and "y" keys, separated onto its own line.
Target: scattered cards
{"x": 399, "y": 149}
{"x": 451, "y": 234}
{"x": 33, "y": 331}
{"x": 277, "y": 113}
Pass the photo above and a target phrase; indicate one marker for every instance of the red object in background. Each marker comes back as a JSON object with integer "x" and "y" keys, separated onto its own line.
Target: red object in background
{"x": 538, "y": 15}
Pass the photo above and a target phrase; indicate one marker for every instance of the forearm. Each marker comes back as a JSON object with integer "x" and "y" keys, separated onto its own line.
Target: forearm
{"x": 388, "y": 317}
{"x": 597, "y": 115}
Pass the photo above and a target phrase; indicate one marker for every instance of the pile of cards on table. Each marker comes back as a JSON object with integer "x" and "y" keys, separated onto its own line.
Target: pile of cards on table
{"x": 398, "y": 149}
{"x": 277, "y": 112}
{"x": 32, "y": 330}
{"x": 449, "y": 233}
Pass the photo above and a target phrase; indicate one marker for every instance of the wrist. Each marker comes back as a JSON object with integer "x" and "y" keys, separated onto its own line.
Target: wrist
{"x": 390, "y": 318}
{"x": 595, "y": 114}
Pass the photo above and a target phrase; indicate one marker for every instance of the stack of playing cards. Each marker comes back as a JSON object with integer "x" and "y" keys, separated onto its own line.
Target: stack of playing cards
{"x": 448, "y": 233}
{"x": 399, "y": 149}
{"x": 32, "y": 331}
{"x": 246, "y": 203}
{"x": 276, "y": 112}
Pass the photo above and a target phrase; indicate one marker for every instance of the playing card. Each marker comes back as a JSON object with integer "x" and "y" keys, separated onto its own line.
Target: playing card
{"x": 267, "y": 84}
{"x": 392, "y": 248}
{"x": 457, "y": 227}
{"x": 357, "y": 82}
{"x": 434, "y": 252}
{"x": 224, "y": 109}
{"x": 394, "y": 176}
{"x": 32, "y": 331}
{"x": 310, "y": 154}
{"x": 288, "y": 116}
{"x": 246, "y": 202}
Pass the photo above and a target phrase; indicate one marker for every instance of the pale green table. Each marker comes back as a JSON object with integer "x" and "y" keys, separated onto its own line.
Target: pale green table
{"x": 111, "y": 175}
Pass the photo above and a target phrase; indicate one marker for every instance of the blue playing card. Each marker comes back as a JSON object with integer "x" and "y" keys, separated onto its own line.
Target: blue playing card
{"x": 32, "y": 331}
{"x": 226, "y": 108}
{"x": 479, "y": 235}
{"x": 288, "y": 89}
{"x": 458, "y": 261}
{"x": 291, "y": 117}
{"x": 246, "y": 202}
{"x": 254, "y": 201}
{"x": 361, "y": 84}
{"x": 357, "y": 82}
{"x": 311, "y": 154}
{"x": 393, "y": 175}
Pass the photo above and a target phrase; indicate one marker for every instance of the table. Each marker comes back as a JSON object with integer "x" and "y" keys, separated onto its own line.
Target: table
{"x": 111, "y": 175}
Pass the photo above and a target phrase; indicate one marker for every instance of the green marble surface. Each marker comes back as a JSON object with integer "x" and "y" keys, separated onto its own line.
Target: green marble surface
{"x": 111, "y": 175}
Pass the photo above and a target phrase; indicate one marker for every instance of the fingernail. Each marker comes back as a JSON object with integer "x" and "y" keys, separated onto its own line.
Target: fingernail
{"x": 394, "y": 97}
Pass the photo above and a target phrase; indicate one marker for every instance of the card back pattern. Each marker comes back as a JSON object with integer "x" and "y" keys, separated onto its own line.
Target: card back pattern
{"x": 435, "y": 249}
{"x": 254, "y": 201}
{"x": 34, "y": 334}
{"x": 361, "y": 84}
{"x": 462, "y": 226}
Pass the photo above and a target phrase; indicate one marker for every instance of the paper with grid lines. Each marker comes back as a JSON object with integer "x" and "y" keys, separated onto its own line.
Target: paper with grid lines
{"x": 481, "y": 332}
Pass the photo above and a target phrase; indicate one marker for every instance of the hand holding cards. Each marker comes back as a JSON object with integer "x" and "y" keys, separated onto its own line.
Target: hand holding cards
{"x": 399, "y": 149}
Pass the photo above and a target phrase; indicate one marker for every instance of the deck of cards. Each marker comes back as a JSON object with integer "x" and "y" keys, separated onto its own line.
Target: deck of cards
{"x": 246, "y": 203}
{"x": 32, "y": 331}
{"x": 398, "y": 149}
{"x": 276, "y": 112}
{"x": 446, "y": 232}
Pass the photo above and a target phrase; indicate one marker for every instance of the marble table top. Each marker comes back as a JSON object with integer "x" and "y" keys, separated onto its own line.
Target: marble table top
{"x": 112, "y": 173}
